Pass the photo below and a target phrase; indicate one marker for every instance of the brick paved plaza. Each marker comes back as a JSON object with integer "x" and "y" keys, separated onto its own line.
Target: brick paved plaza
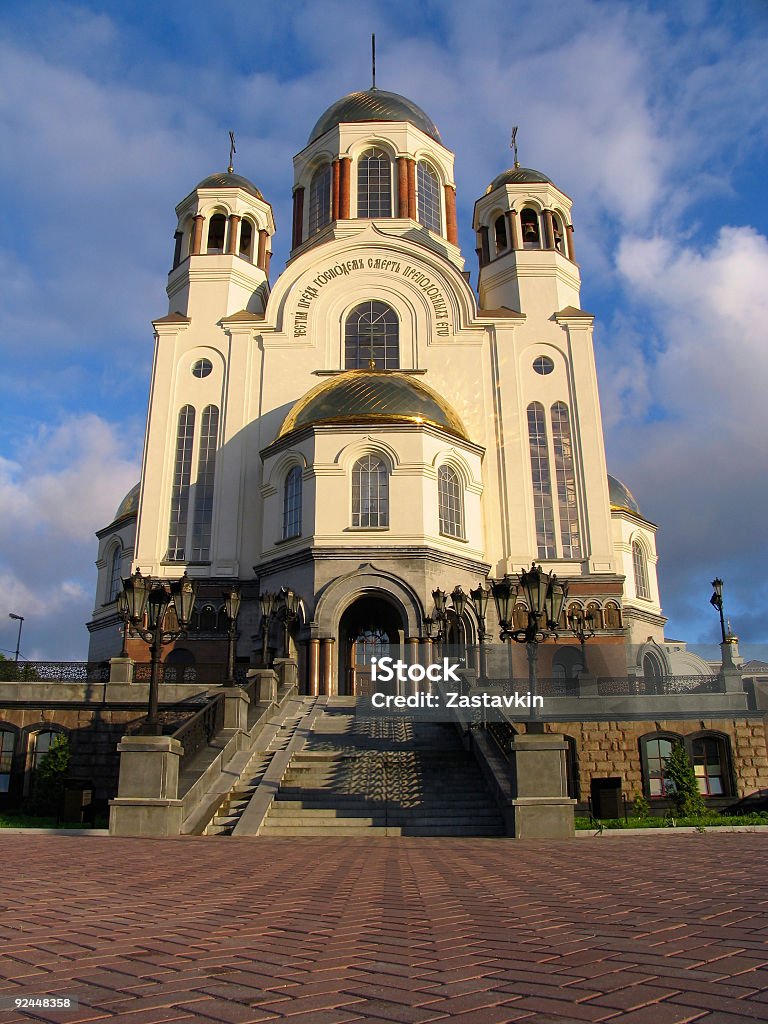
{"x": 652, "y": 930}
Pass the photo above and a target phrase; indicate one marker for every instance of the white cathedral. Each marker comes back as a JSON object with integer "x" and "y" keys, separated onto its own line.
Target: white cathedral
{"x": 368, "y": 429}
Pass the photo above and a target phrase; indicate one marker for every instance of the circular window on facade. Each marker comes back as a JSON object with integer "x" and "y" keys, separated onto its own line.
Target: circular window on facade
{"x": 543, "y": 365}
{"x": 202, "y": 368}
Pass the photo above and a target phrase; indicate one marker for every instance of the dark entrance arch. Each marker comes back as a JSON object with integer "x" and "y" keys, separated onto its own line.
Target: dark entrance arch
{"x": 371, "y": 625}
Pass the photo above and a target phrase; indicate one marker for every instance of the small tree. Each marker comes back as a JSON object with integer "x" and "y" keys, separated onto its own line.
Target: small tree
{"x": 682, "y": 786}
{"x": 48, "y": 788}
{"x": 640, "y": 806}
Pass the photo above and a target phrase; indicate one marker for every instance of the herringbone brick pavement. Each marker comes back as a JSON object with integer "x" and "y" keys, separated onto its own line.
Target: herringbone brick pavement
{"x": 651, "y": 930}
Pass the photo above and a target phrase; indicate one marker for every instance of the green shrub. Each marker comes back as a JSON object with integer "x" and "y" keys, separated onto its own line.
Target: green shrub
{"x": 640, "y": 806}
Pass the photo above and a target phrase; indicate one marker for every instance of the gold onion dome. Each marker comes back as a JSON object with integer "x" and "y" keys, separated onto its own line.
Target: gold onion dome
{"x": 621, "y": 498}
{"x": 374, "y": 105}
{"x": 372, "y": 396}
{"x": 129, "y": 506}
{"x": 228, "y": 179}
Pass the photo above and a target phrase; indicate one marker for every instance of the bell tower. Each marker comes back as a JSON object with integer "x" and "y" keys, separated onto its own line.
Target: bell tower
{"x": 525, "y": 245}
{"x": 222, "y": 249}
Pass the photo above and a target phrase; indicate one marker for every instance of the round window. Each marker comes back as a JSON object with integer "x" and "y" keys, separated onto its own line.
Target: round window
{"x": 202, "y": 368}
{"x": 543, "y": 365}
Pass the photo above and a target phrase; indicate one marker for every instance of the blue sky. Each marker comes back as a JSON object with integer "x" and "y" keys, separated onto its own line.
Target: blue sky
{"x": 651, "y": 116}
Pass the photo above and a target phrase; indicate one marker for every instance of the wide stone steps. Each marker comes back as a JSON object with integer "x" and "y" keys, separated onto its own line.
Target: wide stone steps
{"x": 360, "y": 776}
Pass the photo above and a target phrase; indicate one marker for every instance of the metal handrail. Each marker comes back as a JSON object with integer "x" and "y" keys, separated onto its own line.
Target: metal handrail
{"x": 198, "y": 731}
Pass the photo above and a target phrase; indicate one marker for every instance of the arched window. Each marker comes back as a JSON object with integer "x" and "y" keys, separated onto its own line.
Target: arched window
{"x": 566, "y": 481}
{"x": 374, "y": 184}
{"x": 7, "y": 750}
{"x": 542, "y": 481}
{"x": 654, "y": 751}
{"x": 206, "y": 470}
{"x": 372, "y": 332}
{"x": 370, "y": 493}
{"x": 500, "y": 233}
{"x": 709, "y": 754}
{"x": 640, "y": 565}
{"x": 115, "y": 579}
{"x": 520, "y": 616}
{"x": 595, "y": 612}
{"x": 217, "y": 228}
{"x": 451, "y": 502}
{"x": 42, "y": 742}
{"x": 612, "y": 615}
{"x": 208, "y": 619}
{"x": 320, "y": 199}
{"x": 428, "y": 197}
{"x": 245, "y": 248}
{"x": 292, "y": 504}
{"x": 558, "y": 240}
{"x": 529, "y": 227}
{"x": 177, "y": 534}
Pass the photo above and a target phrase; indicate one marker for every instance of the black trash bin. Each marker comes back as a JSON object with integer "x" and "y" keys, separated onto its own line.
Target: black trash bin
{"x": 606, "y": 797}
{"x": 77, "y": 801}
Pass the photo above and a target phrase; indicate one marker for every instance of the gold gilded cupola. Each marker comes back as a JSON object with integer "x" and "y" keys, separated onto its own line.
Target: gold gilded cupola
{"x": 375, "y": 156}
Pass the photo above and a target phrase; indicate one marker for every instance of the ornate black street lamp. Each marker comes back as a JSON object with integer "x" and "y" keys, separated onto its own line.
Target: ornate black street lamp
{"x": 545, "y": 595}
{"x": 232, "y": 600}
{"x": 289, "y": 612}
{"x": 269, "y": 604}
{"x": 583, "y": 628}
{"x": 480, "y": 597}
{"x": 153, "y": 598}
{"x": 717, "y": 602}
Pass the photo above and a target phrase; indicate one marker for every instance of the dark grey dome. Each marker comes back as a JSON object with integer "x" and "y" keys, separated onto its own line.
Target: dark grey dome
{"x": 227, "y": 180}
{"x": 374, "y": 105}
{"x": 622, "y": 499}
{"x": 518, "y": 176}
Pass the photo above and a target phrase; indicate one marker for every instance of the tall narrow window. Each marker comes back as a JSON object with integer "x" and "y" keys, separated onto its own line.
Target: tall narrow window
{"x": 566, "y": 481}
{"x": 500, "y": 233}
{"x": 370, "y": 493}
{"x": 246, "y": 240}
{"x": 709, "y": 765}
{"x": 640, "y": 566}
{"x": 542, "y": 481}
{"x": 7, "y": 748}
{"x": 320, "y": 199}
{"x": 206, "y": 470}
{"x": 292, "y": 504}
{"x": 450, "y": 502}
{"x": 428, "y": 197}
{"x": 177, "y": 534}
{"x": 374, "y": 184}
{"x": 115, "y": 580}
{"x": 656, "y": 751}
{"x": 372, "y": 332}
{"x": 216, "y": 231}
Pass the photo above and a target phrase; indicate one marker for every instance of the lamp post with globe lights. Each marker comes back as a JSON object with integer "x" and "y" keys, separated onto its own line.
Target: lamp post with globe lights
{"x": 545, "y": 595}
{"x": 232, "y": 600}
{"x": 144, "y": 606}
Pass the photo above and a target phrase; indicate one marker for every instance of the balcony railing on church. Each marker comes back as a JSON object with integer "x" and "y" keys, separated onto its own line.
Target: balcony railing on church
{"x": 54, "y": 671}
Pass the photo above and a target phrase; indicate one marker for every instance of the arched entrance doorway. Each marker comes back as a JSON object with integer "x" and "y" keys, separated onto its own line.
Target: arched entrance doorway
{"x": 371, "y": 626}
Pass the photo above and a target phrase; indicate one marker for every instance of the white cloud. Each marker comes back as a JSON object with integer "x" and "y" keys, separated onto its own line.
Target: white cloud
{"x": 63, "y": 484}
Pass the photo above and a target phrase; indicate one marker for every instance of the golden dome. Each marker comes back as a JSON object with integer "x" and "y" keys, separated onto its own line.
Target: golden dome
{"x": 372, "y": 396}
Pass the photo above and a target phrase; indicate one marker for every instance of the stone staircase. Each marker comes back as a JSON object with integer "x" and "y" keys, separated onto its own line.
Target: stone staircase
{"x": 392, "y": 777}
{"x": 231, "y": 808}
